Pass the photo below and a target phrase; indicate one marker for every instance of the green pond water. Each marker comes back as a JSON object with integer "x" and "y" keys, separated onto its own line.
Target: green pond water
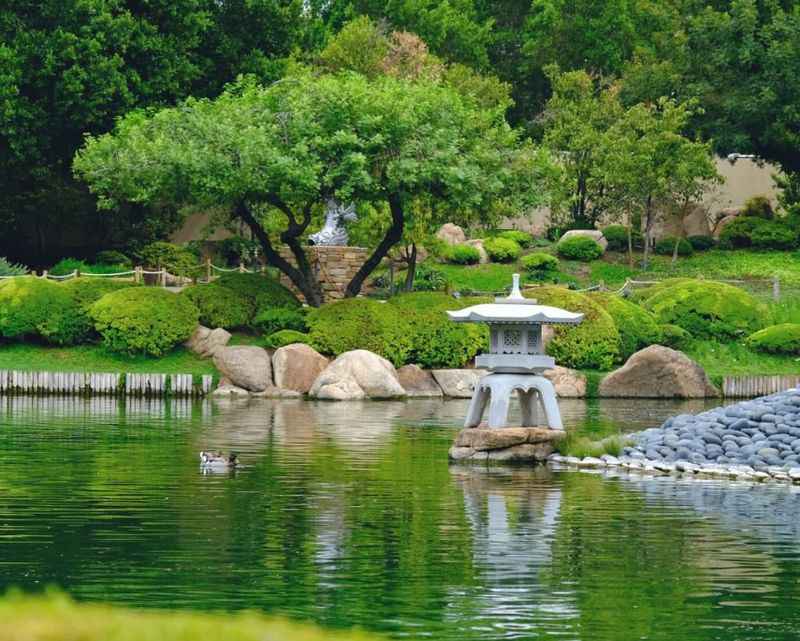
{"x": 348, "y": 514}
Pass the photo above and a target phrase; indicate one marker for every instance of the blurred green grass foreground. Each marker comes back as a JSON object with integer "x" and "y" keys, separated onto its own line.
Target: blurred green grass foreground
{"x": 56, "y": 617}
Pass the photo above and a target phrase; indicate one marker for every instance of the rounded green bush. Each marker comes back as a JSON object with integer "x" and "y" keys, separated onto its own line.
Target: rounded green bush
{"x": 429, "y": 279}
{"x": 276, "y": 319}
{"x": 774, "y": 235}
{"x": 35, "y": 307}
{"x": 617, "y": 238}
{"x": 580, "y": 248}
{"x": 674, "y": 336}
{"x": 360, "y": 323}
{"x": 85, "y": 292}
{"x": 707, "y": 309}
{"x": 220, "y": 306}
{"x": 462, "y": 254}
{"x": 701, "y": 243}
{"x": 502, "y": 250}
{"x": 666, "y": 246}
{"x": 739, "y": 232}
{"x": 637, "y": 327}
{"x": 262, "y": 291}
{"x": 777, "y": 339}
{"x": 285, "y": 337}
{"x": 436, "y": 341}
{"x": 144, "y": 320}
{"x": 522, "y": 238}
{"x": 593, "y": 344}
{"x": 759, "y": 207}
{"x": 177, "y": 260}
{"x": 540, "y": 266}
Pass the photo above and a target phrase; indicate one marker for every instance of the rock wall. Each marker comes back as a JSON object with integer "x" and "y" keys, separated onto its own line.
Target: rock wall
{"x": 335, "y": 267}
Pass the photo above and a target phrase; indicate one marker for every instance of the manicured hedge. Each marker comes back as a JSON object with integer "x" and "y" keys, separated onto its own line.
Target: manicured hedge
{"x": 85, "y": 292}
{"x": 462, "y": 254}
{"x": 580, "y": 248}
{"x": 777, "y": 339}
{"x": 707, "y": 309}
{"x": 594, "y": 344}
{"x": 285, "y": 337}
{"x": 262, "y": 291}
{"x": 522, "y": 238}
{"x": 276, "y": 319}
{"x": 144, "y": 320}
{"x": 33, "y": 307}
{"x": 502, "y": 250}
{"x": 220, "y": 306}
{"x": 637, "y": 327}
{"x": 539, "y": 265}
{"x": 177, "y": 260}
{"x": 666, "y": 247}
{"x": 617, "y": 238}
{"x": 752, "y": 231}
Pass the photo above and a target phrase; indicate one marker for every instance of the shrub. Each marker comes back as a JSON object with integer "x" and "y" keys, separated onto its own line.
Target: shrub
{"x": 429, "y": 279}
{"x": 539, "y": 265}
{"x": 144, "y": 320}
{"x": 177, "y": 260}
{"x": 85, "y": 292}
{"x": 593, "y": 344}
{"x": 274, "y": 320}
{"x": 637, "y": 327}
{"x": 707, "y": 309}
{"x": 502, "y": 250}
{"x": 580, "y": 248}
{"x": 666, "y": 246}
{"x": 67, "y": 266}
{"x": 286, "y": 337}
{"x": 674, "y": 336}
{"x": 522, "y": 238}
{"x": 113, "y": 257}
{"x": 360, "y": 323}
{"x": 701, "y": 243}
{"x": 11, "y": 269}
{"x": 220, "y": 306}
{"x": 262, "y": 291}
{"x": 35, "y": 307}
{"x": 462, "y": 254}
{"x": 759, "y": 207}
{"x": 774, "y": 235}
{"x": 777, "y": 339}
{"x": 739, "y": 232}
{"x": 436, "y": 341}
{"x": 617, "y": 237}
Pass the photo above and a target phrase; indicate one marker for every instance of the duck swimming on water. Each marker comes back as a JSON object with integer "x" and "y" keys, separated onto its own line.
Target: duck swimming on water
{"x": 218, "y": 461}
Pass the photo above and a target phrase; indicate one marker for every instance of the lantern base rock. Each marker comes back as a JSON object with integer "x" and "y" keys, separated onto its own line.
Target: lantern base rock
{"x": 505, "y": 445}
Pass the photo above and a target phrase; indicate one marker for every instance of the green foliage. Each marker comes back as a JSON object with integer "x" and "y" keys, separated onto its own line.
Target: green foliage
{"x": 436, "y": 341}
{"x": 462, "y": 254}
{"x": 262, "y": 292}
{"x": 666, "y": 246}
{"x": 707, "y": 309}
{"x": 429, "y": 279}
{"x": 68, "y": 266}
{"x": 360, "y": 46}
{"x": 583, "y": 446}
{"x": 144, "y": 320}
{"x": 751, "y": 231}
{"x": 11, "y": 269}
{"x": 113, "y": 257}
{"x": 522, "y": 238}
{"x": 285, "y": 337}
{"x": 593, "y": 344}
{"x": 177, "y": 260}
{"x": 360, "y": 323}
{"x": 37, "y": 308}
{"x": 85, "y": 292}
{"x": 580, "y": 248}
{"x": 777, "y": 339}
{"x": 701, "y": 243}
{"x": 637, "y": 327}
{"x": 276, "y": 319}
{"x": 539, "y": 265}
{"x": 674, "y": 336}
{"x": 617, "y": 237}
{"x": 759, "y": 207}
{"x": 220, "y": 306}
{"x": 502, "y": 250}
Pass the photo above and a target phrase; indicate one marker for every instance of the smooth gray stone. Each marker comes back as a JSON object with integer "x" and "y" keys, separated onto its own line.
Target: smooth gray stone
{"x": 764, "y": 452}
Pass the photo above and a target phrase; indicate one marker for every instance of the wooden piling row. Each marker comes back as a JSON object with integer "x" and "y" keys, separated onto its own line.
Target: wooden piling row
{"x": 94, "y": 384}
{"x": 752, "y": 386}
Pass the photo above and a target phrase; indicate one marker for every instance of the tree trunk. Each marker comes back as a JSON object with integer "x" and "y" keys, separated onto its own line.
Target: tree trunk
{"x": 302, "y": 276}
{"x": 648, "y": 228}
{"x": 412, "y": 268}
{"x": 630, "y": 243}
{"x": 675, "y": 250}
{"x": 393, "y": 236}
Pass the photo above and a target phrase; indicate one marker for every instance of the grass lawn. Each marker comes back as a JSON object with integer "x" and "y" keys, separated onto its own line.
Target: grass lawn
{"x": 734, "y": 359}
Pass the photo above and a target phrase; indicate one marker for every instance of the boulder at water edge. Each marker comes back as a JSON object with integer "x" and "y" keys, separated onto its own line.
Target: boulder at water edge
{"x": 595, "y": 234}
{"x": 569, "y": 383}
{"x": 245, "y": 366}
{"x": 206, "y": 342}
{"x": 451, "y": 234}
{"x": 658, "y": 372}
{"x": 297, "y": 366}
{"x": 505, "y": 445}
{"x": 458, "y": 383}
{"x": 417, "y": 382}
{"x": 357, "y": 375}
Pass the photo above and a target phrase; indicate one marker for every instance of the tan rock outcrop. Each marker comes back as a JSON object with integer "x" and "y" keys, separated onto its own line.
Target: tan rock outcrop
{"x": 357, "y": 375}
{"x": 418, "y": 382}
{"x": 246, "y": 366}
{"x": 297, "y": 366}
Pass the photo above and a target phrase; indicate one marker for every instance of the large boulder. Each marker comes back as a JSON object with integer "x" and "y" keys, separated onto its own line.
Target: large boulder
{"x": 478, "y": 244}
{"x": 297, "y": 366}
{"x": 458, "y": 383}
{"x": 569, "y": 383}
{"x": 417, "y": 382}
{"x": 505, "y": 445}
{"x": 245, "y": 366}
{"x": 206, "y": 342}
{"x": 658, "y": 372}
{"x": 595, "y": 234}
{"x": 695, "y": 223}
{"x": 722, "y": 224}
{"x": 451, "y": 234}
{"x": 357, "y": 375}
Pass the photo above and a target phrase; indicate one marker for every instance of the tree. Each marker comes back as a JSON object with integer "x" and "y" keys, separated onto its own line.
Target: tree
{"x": 649, "y": 163}
{"x": 277, "y": 153}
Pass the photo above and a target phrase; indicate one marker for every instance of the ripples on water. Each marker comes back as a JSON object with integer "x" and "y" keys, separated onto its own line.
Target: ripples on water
{"x": 348, "y": 514}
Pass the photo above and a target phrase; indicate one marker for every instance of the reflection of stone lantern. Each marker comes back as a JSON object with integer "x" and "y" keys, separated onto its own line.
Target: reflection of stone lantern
{"x": 516, "y": 359}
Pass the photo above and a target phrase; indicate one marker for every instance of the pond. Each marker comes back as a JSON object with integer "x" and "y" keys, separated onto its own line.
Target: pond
{"x": 348, "y": 514}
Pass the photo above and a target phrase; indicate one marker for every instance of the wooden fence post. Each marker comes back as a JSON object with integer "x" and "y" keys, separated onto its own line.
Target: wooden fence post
{"x": 241, "y": 268}
{"x": 208, "y": 270}
{"x": 776, "y": 289}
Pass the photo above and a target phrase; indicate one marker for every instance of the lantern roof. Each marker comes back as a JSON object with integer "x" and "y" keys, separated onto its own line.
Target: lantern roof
{"x": 515, "y": 309}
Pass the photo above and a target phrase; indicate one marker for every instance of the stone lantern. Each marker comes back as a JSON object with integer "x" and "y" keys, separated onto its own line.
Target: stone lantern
{"x": 516, "y": 360}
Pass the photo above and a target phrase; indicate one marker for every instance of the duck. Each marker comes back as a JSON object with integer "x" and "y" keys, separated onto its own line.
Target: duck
{"x": 217, "y": 460}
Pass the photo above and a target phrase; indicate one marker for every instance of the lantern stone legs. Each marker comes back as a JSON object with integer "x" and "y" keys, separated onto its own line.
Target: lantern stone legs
{"x": 496, "y": 390}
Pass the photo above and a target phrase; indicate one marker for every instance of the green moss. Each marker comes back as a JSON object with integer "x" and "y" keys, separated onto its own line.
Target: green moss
{"x": 637, "y": 327}
{"x": 707, "y": 309}
{"x": 593, "y": 344}
{"x": 777, "y": 339}
{"x": 583, "y": 446}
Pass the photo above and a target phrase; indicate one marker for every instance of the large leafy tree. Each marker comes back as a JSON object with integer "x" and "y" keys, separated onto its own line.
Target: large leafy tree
{"x": 276, "y": 153}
